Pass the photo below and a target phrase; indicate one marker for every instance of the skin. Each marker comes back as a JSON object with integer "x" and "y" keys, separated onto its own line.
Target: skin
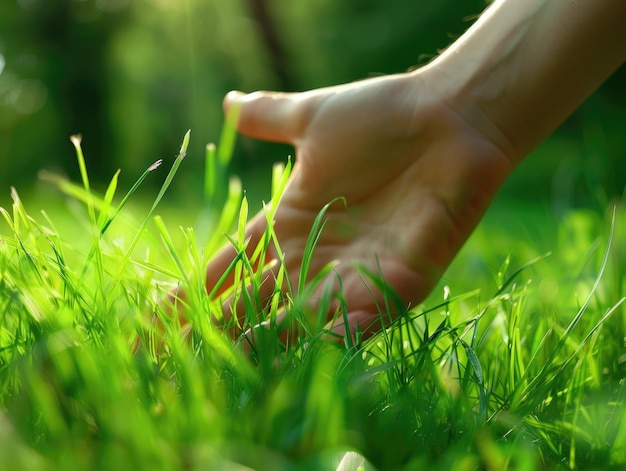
{"x": 417, "y": 157}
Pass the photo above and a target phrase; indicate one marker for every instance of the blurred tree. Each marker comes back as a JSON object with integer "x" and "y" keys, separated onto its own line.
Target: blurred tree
{"x": 260, "y": 10}
{"x": 54, "y": 83}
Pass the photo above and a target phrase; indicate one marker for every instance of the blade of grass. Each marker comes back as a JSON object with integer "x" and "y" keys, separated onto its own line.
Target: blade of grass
{"x": 226, "y": 219}
{"x": 108, "y": 200}
{"x": 136, "y": 185}
{"x": 169, "y": 245}
{"x": 520, "y": 395}
{"x": 309, "y": 247}
{"x": 218, "y": 158}
{"x": 210, "y": 174}
{"x": 95, "y": 239}
{"x": 168, "y": 180}
{"x": 228, "y": 137}
{"x": 76, "y": 141}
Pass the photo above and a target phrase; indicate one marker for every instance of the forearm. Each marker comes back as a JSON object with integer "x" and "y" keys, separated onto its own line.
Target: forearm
{"x": 525, "y": 65}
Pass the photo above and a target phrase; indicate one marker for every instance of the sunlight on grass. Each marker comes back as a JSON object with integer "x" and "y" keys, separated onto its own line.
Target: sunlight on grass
{"x": 522, "y": 368}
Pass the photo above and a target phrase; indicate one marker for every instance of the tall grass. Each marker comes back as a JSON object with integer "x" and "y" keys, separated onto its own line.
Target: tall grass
{"x": 522, "y": 372}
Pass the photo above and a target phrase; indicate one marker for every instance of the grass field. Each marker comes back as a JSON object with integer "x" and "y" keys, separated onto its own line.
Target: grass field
{"x": 516, "y": 361}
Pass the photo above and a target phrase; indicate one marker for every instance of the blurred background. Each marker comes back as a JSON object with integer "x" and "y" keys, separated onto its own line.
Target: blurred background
{"x": 133, "y": 75}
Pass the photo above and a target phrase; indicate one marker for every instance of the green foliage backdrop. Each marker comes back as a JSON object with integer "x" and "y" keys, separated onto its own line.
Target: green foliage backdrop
{"x": 133, "y": 75}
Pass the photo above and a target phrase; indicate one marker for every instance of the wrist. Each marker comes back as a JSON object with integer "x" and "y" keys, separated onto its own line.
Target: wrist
{"x": 479, "y": 74}
{"x": 523, "y": 67}
{"x": 461, "y": 92}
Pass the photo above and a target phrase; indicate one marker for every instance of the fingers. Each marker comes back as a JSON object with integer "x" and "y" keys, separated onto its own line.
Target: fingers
{"x": 249, "y": 303}
{"x": 363, "y": 324}
{"x": 218, "y": 276}
{"x": 270, "y": 116}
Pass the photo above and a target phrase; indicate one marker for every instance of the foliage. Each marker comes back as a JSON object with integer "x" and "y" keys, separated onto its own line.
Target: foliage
{"x": 524, "y": 371}
{"x": 132, "y": 76}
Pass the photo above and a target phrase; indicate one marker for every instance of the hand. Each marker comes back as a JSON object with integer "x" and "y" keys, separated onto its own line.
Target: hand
{"x": 415, "y": 177}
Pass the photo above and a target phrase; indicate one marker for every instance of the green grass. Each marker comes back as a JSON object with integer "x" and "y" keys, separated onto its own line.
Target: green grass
{"x": 516, "y": 361}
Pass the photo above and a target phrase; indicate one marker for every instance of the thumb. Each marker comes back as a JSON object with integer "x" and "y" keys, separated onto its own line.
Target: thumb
{"x": 270, "y": 116}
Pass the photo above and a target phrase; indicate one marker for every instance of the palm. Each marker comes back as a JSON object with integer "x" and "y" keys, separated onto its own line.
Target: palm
{"x": 414, "y": 180}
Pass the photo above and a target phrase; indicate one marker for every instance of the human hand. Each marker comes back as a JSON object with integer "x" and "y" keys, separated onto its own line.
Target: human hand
{"x": 414, "y": 174}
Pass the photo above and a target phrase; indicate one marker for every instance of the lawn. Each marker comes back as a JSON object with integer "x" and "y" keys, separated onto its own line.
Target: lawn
{"x": 517, "y": 359}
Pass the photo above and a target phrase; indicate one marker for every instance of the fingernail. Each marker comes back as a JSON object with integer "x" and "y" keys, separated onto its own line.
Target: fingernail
{"x": 234, "y": 95}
